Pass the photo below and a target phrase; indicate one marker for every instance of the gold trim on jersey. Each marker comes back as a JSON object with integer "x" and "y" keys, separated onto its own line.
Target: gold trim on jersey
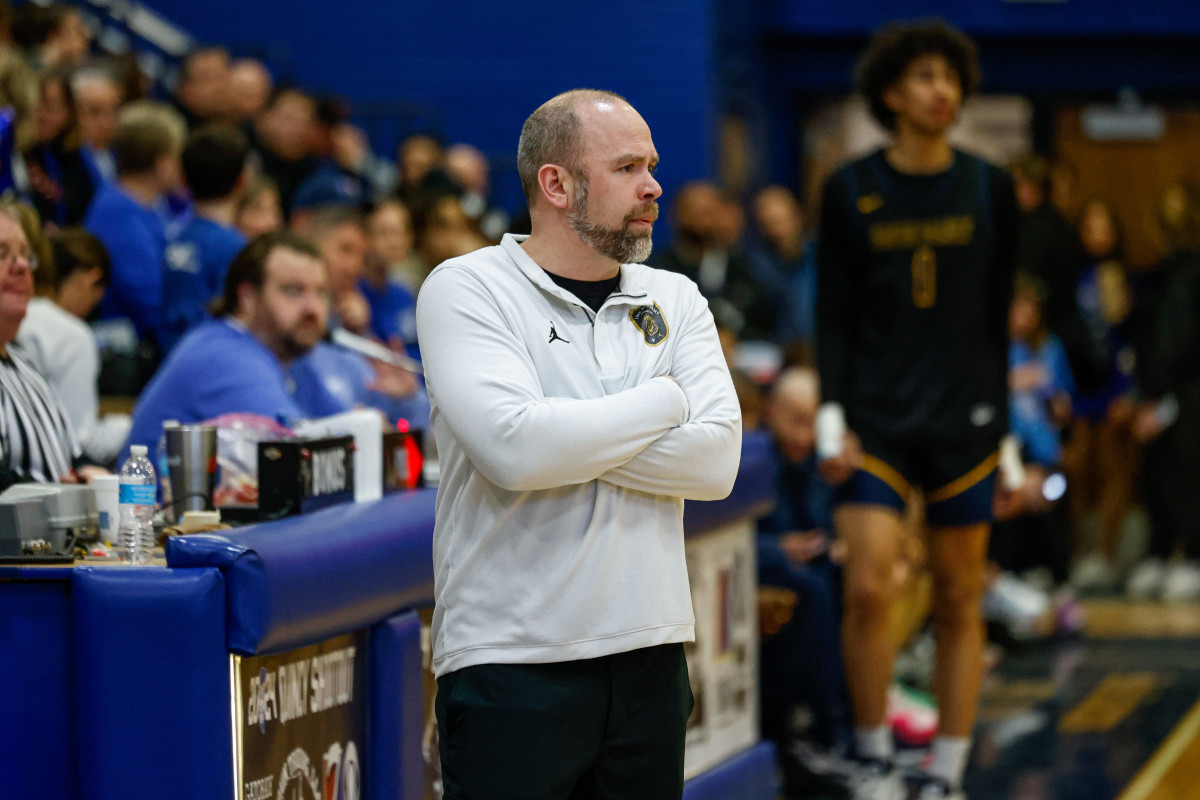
{"x": 888, "y": 474}
{"x": 960, "y": 485}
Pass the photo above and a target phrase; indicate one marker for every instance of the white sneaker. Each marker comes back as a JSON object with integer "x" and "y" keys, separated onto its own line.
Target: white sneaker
{"x": 1181, "y": 583}
{"x": 1146, "y": 580}
{"x": 932, "y": 788}
{"x": 1016, "y": 604}
{"x": 876, "y": 780}
{"x": 1092, "y": 574}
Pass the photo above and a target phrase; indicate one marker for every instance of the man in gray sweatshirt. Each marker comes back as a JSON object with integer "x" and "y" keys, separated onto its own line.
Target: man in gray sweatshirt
{"x": 578, "y": 398}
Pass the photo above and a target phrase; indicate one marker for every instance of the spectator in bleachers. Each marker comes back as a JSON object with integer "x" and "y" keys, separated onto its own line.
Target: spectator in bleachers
{"x": 1049, "y": 247}
{"x": 1064, "y": 190}
{"x": 250, "y": 85}
{"x": 340, "y": 178}
{"x": 60, "y": 345}
{"x": 393, "y": 306}
{"x": 124, "y": 215}
{"x": 1101, "y": 458}
{"x": 39, "y": 442}
{"x": 783, "y": 263}
{"x": 97, "y": 103}
{"x": 204, "y": 91}
{"x": 1168, "y": 418}
{"x": 18, "y": 81}
{"x": 354, "y": 381}
{"x": 61, "y": 181}
{"x": 275, "y": 309}
{"x": 1040, "y": 390}
{"x": 259, "y": 211}
{"x": 801, "y": 523}
{"x": 417, "y": 156}
{"x": 446, "y": 231}
{"x": 1040, "y": 380}
{"x": 802, "y": 684}
{"x": 54, "y": 36}
{"x": 390, "y": 230}
{"x": 340, "y": 235}
{"x": 346, "y": 153}
{"x": 198, "y": 255}
{"x": 468, "y": 167}
{"x": 699, "y": 252}
{"x": 134, "y": 82}
{"x": 283, "y": 137}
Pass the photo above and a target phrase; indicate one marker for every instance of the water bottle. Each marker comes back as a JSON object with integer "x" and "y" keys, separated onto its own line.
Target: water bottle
{"x": 137, "y": 493}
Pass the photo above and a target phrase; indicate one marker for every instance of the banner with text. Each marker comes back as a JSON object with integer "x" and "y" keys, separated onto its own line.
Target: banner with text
{"x": 300, "y": 721}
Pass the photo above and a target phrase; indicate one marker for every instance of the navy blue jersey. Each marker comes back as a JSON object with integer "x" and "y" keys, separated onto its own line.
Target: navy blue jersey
{"x": 915, "y": 274}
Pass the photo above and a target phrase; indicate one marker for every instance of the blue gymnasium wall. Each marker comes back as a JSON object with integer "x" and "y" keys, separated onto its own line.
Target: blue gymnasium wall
{"x": 1058, "y": 17}
{"x": 473, "y": 70}
{"x": 477, "y": 69}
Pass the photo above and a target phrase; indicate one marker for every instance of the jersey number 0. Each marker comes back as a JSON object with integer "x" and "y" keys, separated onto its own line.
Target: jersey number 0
{"x": 924, "y": 277}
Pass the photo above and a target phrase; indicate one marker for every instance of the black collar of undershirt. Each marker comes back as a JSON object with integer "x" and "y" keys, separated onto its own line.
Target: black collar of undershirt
{"x": 592, "y": 293}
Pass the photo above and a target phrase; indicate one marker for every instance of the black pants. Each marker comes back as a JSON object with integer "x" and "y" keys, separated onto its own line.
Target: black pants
{"x": 610, "y": 727}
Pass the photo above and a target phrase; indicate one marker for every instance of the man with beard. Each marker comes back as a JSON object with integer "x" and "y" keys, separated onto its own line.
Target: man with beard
{"x": 577, "y": 399}
{"x": 276, "y": 303}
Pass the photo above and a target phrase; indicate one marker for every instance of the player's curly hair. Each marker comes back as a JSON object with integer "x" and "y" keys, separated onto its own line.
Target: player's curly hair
{"x": 897, "y": 45}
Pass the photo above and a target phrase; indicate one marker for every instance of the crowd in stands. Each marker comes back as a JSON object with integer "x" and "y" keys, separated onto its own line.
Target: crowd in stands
{"x": 140, "y": 199}
{"x": 213, "y": 238}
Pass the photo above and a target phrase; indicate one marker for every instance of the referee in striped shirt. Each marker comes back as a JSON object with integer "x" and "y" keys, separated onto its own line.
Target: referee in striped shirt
{"x": 36, "y": 440}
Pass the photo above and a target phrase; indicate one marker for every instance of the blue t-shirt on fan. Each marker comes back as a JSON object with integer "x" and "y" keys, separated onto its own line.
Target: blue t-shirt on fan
{"x": 196, "y": 262}
{"x": 393, "y": 315}
{"x": 328, "y": 380}
{"x": 220, "y": 368}
{"x": 135, "y": 239}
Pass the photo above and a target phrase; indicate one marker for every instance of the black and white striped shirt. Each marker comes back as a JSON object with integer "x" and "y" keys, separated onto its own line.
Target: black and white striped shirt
{"x": 36, "y": 439}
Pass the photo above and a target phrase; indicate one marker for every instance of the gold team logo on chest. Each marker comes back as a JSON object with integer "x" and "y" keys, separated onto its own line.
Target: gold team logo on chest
{"x": 651, "y": 322}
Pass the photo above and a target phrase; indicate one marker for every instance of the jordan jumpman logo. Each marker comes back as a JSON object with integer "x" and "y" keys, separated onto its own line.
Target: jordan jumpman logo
{"x": 554, "y": 336}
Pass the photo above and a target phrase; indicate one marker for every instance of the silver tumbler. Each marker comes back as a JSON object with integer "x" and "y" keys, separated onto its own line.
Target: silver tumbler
{"x": 191, "y": 468}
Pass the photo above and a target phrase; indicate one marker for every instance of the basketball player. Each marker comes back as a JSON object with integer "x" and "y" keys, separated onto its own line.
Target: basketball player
{"x": 917, "y": 245}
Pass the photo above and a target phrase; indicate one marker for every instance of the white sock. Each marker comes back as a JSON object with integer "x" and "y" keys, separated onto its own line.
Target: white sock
{"x": 949, "y": 760}
{"x": 874, "y": 742}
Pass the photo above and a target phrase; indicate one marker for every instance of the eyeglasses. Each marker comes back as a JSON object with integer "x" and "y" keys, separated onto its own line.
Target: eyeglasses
{"x": 10, "y": 257}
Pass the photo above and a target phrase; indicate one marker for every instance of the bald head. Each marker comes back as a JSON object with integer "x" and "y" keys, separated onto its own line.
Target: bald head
{"x": 554, "y": 134}
{"x": 792, "y": 412}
